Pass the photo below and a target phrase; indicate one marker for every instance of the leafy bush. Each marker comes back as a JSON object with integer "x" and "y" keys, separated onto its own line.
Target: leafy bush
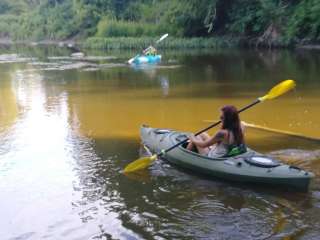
{"x": 291, "y": 20}
{"x": 7, "y": 24}
{"x": 304, "y": 22}
{"x": 113, "y": 28}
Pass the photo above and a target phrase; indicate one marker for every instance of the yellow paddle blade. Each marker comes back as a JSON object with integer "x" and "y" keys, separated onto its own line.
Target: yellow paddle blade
{"x": 139, "y": 164}
{"x": 279, "y": 89}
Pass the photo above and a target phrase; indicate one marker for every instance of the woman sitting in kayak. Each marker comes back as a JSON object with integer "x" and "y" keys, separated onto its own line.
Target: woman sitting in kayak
{"x": 230, "y": 136}
{"x": 150, "y": 51}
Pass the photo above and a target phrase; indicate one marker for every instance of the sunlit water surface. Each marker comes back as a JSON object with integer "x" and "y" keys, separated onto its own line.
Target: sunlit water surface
{"x": 69, "y": 125}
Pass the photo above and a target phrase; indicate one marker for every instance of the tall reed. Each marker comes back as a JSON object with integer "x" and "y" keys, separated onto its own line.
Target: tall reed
{"x": 170, "y": 43}
{"x": 117, "y": 28}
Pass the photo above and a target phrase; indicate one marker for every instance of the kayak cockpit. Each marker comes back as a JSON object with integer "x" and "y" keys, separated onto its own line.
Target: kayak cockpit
{"x": 249, "y": 156}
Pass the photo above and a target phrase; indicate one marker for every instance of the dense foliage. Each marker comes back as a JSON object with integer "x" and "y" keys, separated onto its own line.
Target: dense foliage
{"x": 262, "y": 21}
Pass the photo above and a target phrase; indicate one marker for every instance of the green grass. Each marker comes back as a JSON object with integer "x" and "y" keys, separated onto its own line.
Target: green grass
{"x": 169, "y": 43}
{"x": 115, "y": 28}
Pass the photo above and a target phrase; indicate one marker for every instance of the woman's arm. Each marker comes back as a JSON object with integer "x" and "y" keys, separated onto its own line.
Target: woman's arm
{"x": 220, "y": 135}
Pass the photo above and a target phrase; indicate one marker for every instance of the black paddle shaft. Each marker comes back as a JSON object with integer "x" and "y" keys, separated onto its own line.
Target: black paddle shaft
{"x": 207, "y": 128}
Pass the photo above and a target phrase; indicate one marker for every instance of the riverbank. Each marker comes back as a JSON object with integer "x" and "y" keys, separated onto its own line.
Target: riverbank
{"x": 130, "y": 43}
{"x": 62, "y": 43}
{"x": 170, "y": 43}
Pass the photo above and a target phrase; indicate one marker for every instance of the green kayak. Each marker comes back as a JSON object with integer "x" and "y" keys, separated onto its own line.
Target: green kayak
{"x": 250, "y": 166}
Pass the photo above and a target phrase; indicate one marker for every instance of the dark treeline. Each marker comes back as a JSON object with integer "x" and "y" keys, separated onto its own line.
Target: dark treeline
{"x": 260, "y": 21}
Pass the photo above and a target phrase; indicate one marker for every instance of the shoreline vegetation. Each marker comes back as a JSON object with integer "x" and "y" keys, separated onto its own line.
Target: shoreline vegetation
{"x": 135, "y": 43}
{"x": 170, "y": 43}
{"x": 135, "y": 24}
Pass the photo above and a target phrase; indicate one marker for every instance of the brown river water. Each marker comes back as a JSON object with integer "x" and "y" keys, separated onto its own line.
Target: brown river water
{"x": 70, "y": 124}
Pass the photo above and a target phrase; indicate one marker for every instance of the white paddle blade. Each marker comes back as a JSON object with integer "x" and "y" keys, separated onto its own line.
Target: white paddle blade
{"x": 163, "y": 37}
{"x": 130, "y": 61}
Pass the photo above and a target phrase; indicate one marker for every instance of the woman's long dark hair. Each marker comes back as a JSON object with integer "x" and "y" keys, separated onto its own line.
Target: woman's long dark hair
{"x": 231, "y": 122}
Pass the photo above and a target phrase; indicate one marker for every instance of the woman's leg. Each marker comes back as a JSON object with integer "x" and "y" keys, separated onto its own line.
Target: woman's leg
{"x": 190, "y": 146}
{"x": 203, "y": 137}
{"x": 203, "y": 151}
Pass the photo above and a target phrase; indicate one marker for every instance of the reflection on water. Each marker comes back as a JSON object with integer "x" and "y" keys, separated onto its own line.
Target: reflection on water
{"x": 66, "y": 134}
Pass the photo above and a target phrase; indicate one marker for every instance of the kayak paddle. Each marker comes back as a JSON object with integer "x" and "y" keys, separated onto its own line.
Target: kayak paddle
{"x": 130, "y": 61}
{"x": 163, "y": 37}
{"x": 276, "y": 91}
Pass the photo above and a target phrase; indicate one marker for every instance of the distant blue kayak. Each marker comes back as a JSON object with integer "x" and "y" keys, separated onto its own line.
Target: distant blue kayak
{"x": 145, "y": 59}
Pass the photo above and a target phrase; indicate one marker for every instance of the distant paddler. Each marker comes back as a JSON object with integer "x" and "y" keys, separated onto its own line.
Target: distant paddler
{"x": 149, "y": 55}
{"x": 150, "y": 51}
